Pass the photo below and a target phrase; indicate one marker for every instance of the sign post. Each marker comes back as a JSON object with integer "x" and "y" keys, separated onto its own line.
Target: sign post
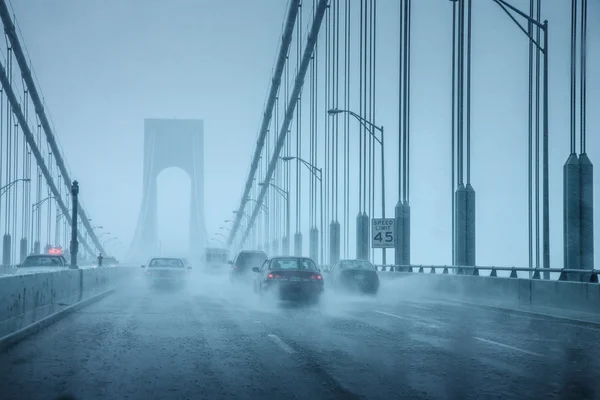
{"x": 383, "y": 233}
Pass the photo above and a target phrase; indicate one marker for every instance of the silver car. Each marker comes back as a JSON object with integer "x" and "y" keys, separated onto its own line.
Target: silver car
{"x": 166, "y": 270}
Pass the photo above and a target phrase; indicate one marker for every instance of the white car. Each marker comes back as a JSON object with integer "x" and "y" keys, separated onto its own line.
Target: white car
{"x": 167, "y": 270}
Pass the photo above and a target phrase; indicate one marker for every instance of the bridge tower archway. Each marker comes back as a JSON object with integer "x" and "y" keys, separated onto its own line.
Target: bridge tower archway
{"x": 170, "y": 143}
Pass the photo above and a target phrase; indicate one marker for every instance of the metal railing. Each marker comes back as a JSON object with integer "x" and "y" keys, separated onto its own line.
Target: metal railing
{"x": 561, "y": 274}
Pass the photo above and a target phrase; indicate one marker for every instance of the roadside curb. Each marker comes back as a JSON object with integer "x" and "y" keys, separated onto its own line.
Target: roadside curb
{"x": 15, "y": 337}
{"x": 508, "y": 310}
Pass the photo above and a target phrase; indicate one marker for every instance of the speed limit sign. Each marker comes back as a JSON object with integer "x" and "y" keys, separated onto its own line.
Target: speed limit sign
{"x": 382, "y": 233}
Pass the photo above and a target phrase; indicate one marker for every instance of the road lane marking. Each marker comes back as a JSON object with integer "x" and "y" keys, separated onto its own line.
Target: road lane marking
{"x": 281, "y": 343}
{"x": 412, "y": 319}
{"x": 531, "y": 353}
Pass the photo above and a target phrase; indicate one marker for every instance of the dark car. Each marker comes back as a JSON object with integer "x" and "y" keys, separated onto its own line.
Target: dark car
{"x": 241, "y": 266}
{"x": 289, "y": 278}
{"x": 355, "y": 275}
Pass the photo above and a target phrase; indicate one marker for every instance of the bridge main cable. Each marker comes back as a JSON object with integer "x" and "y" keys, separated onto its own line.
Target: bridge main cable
{"x": 9, "y": 29}
{"x": 289, "y": 113}
{"x": 286, "y": 41}
{"x": 16, "y": 108}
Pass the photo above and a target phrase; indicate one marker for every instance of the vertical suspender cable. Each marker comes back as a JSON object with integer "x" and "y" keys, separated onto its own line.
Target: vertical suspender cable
{"x": 368, "y": 104}
{"x": 404, "y": 101}
{"x": 407, "y": 103}
{"x": 363, "y": 111}
{"x": 530, "y": 138}
{"x": 453, "y": 129}
{"x": 573, "y": 67}
{"x": 583, "y": 77}
{"x": 469, "y": 4}
{"x": 371, "y": 105}
{"x": 337, "y": 98}
{"x": 346, "y": 128}
{"x": 360, "y": 101}
{"x": 537, "y": 138}
{"x": 461, "y": 52}
{"x": 400, "y": 97}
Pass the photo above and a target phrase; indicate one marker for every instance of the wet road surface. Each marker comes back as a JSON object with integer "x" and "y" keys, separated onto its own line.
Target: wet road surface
{"x": 215, "y": 341}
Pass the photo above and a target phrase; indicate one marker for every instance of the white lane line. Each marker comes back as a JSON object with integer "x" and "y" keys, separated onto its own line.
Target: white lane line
{"x": 531, "y": 353}
{"x": 412, "y": 319}
{"x": 281, "y": 343}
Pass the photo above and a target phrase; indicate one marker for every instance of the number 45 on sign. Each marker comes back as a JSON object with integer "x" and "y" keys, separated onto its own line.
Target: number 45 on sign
{"x": 382, "y": 233}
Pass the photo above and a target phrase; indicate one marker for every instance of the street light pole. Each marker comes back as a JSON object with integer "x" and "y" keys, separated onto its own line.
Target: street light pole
{"x": 545, "y": 170}
{"x": 4, "y": 188}
{"x": 369, "y": 126}
{"x": 74, "y": 243}
{"x": 286, "y": 195}
{"x": 312, "y": 168}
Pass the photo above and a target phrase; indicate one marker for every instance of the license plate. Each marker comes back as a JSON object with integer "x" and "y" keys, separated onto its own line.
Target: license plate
{"x": 295, "y": 279}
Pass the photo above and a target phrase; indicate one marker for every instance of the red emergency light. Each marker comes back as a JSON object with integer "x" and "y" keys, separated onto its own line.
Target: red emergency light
{"x": 55, "y": 250}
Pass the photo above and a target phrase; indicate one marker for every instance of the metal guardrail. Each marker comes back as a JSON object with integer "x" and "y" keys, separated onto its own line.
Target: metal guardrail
{"x": 565, "y": 274}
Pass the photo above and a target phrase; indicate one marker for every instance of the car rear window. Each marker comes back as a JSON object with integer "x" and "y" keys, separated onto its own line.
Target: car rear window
{"x": 358, "y": 264}
{"x": 250, "y": 260}
{"x": 166, "y": 263}
{"x": 216, "y": 258}
{"x": 293, "y": 264}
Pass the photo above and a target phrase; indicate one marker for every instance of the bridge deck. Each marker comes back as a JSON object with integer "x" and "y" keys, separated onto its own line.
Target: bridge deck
{"x": 213, "y": 342}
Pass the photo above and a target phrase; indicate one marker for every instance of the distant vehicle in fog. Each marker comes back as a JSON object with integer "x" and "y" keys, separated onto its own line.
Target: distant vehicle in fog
{"x": 167, "y": 270}
{"x": 215, "y": 259}
{"x": 241, "y": 266}
{"x": 354, "y": 275}
{"x": 289, "y": 278}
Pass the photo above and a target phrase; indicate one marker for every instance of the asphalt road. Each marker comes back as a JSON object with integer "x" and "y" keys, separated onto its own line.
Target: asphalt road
{"x": 215, "y": 341}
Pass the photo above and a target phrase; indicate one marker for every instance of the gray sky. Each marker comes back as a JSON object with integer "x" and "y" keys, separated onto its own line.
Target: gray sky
{"x": 105, "y": 66}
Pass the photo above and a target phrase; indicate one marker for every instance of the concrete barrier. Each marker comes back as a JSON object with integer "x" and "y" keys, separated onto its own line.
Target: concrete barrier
{"x": 505, "y": 292}
{"x": 27, "y": 299}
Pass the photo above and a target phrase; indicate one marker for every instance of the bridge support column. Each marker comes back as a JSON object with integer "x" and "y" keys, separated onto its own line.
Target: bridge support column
{"x": 366, "y": 240}
{"x": 285, "y": 245}
{"x": 6, "y": 249}
{"x": 334, "y": 242}
{"x": 313, "y": 244}
{"x": 464, "y": 246}
{"x": 460, "y": 256}
{"x": 578, "y": 213}
{"x": 571, "y": 213}
{"x": 275, "y": 247}
{"x": 359, "y": 237}
{"x": 74, "y": 243}
{"x": 586, "y": 171}
{"x": 470, "y": 226}
{"x": 298, "y": 244}
{"x": 402, "y": 240}
{"x": 22, "y": 250}
{"x": 36, "y": 247}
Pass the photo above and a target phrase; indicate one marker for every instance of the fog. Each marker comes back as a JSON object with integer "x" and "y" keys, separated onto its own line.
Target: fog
{"x": 176, "y": 60}
{"x": 115, "y": 75}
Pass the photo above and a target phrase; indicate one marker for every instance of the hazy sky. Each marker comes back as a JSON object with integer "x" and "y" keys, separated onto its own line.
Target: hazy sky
{"x": 105, "y": 66}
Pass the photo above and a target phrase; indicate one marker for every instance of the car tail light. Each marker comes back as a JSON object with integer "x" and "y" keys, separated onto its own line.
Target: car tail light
{"x": 235, "y": 267}
{"x": 317, "y": 277}
{"x": 273, "y": 276}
